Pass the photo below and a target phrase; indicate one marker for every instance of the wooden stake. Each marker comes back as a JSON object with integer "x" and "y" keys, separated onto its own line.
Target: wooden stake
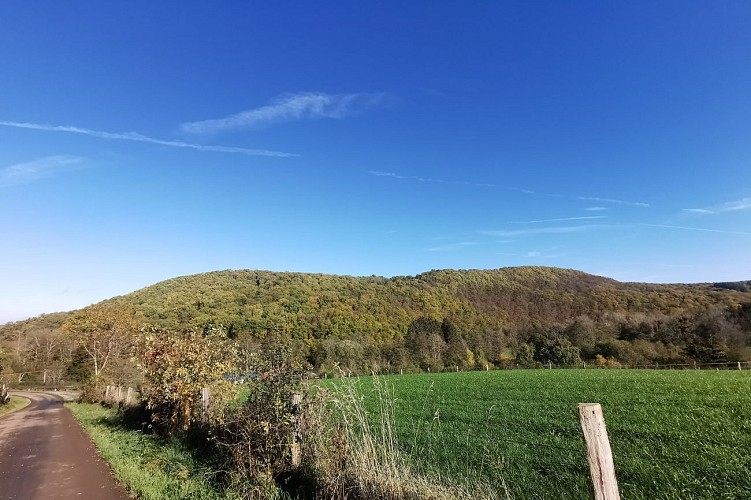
{"x": 296, "y": 432}
{"x": 599, "y": 455}
{"x": 205, "y": 403}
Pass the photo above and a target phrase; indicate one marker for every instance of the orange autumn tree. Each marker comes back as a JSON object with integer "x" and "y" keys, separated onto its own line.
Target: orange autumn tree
{"x": 178, "y": 366}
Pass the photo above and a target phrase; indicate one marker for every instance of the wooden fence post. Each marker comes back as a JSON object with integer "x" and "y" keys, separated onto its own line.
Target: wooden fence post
{"x": 205, "y": 403}
{"x": 599, "y": 455}
{"x": 739, "y": 365}
{"x": 296, "y": 433}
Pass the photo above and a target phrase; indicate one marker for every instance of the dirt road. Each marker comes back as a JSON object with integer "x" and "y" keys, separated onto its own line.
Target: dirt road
{"x": 45, "y": 454}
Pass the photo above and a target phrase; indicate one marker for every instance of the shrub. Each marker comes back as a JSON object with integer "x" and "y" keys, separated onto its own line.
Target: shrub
{"x": 281, "y": 412}
{"x": 177, "y": 367}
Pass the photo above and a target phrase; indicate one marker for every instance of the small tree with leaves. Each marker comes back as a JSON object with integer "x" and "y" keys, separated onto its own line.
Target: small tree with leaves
{"x": 104, "y": 332}
{"x": 177, "y": 367}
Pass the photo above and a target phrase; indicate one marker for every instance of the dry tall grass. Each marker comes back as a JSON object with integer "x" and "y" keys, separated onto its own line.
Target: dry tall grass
{"x": 366, "y": 461}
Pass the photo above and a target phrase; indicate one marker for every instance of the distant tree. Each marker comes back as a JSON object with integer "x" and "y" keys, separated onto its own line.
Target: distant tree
{"x": 711, "y": 339}
{"x": 103, "y": 332}
{"x": 424, "y": 340}
{"x": 396, "y": 356}
{"x": 525, "y": 356}
{"x": 448, "y": 330}
{"x": 559, "y": 351}
{"x": 608, "y": 349}
{"x": 742, "y": 316}
{"x": 79, "y": 369}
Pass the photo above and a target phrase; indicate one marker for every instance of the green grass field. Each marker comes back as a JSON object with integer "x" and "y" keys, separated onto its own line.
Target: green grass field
{"x": 674, "y": 434}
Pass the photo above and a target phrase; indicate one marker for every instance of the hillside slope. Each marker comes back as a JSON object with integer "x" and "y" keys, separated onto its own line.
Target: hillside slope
{"x": 441, "y": 318}
{"x": 319, "y": 305}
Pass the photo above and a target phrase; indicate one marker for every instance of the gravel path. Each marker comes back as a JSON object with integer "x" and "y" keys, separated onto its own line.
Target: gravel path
{"x": 44, "y": 454}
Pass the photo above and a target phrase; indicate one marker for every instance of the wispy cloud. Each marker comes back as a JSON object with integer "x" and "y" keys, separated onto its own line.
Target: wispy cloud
{"x": 453, "y": 247}
{"x": 394, "y": 175}
{"x": 590, "y": 217}
{"x": 290, "y": 107}
{"x": 730, "y": 206}
{"x": 614, "y": 201}
{"x": 530, "y": 192}
{"x": 514, "y": 233}
{"x": 533, "y": 254}
{"x": 40, "y": 168}
{"x": 596, "y": 209}
{"x": 136, "y": 137}
{"x": 702, "y": 229}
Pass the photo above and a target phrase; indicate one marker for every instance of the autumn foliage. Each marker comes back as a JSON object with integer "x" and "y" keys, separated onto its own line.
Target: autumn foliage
{"x": 177, "y": 366}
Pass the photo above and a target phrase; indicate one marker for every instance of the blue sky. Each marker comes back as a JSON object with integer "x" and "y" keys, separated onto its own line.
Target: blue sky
{"x": 147, "y": 140}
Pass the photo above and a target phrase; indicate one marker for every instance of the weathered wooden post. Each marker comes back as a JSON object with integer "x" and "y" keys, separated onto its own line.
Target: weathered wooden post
{"x": 296, "y": 433}
{"x": 739, "y": 365}
{"x": 205, "y": 403}
{"x": 599, "y": 455}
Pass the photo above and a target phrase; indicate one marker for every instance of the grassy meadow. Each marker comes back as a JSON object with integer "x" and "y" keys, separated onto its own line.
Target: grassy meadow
{"x": 674, "y": 434}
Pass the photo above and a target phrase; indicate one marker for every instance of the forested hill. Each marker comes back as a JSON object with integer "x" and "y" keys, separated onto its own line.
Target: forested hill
{"x": 318, "y": 305}
{"x": 493, "y": 313}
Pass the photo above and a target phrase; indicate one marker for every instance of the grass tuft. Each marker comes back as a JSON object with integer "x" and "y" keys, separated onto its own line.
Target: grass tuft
{"x": 368, "y": 459}
{"x": 16, "y": 403}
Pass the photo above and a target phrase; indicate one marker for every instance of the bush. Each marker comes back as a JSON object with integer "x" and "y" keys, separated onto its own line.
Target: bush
{"x": 281, "y": 413}
{"x": 178, "y": 366}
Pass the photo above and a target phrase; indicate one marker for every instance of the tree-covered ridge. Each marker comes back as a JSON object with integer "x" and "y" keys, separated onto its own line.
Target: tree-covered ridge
{"x": 318, "y": 305}
{"x": 437, "y": 319}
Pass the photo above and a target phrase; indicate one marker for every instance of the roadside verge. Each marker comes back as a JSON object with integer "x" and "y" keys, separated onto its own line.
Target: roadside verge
{"x": 16, "y": 403}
